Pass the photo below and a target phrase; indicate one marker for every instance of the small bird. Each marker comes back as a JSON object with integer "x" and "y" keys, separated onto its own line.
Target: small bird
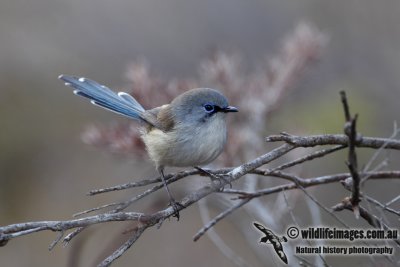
{"x": 273, "y": 239}
{"x": 188, "y": 132}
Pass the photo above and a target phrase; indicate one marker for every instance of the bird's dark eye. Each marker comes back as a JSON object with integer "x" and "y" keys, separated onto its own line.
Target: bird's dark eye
{"x": 209, "y": 108}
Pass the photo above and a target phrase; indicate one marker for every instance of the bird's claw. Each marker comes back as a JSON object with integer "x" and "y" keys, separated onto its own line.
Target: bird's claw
{"x": 176, "y": 206}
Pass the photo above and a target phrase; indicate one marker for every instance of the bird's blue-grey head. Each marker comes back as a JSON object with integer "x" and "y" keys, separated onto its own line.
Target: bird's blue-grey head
{"x": 200, "y": 105}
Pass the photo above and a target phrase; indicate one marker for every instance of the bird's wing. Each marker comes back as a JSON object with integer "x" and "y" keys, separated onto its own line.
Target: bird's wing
{"x": 281, "y": 254}
{"x": 161, "y": 117}
{"x": 262, "y": 229}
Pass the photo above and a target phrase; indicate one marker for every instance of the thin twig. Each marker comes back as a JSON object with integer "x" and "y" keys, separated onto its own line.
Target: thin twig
{"x": 219, "y": 217}
{"x": 29, "y": 227}
{"x": 352, "y": 164}
{"x": 379, "y": 204}
{"x": 328, "y": 211}
{"x": 121, "y": 250}
{"x": 297, "y": 223}
{"x": 346, "y": 108}
{"x": 71, "y": 235}
{"x": 123, "y": 205}
{"x": 353, "y": 167}
{"x": 334, "y": 139}
{"x": 55, "y": 242}
{"x": 19, "y": 229}
{"x": 365, "y": 214}
{"x": 95, "y": 209}
{"x": 231, "y": 174}
{"x": 392, "y": 201}
{"x": 217, "y": 239}
{"x": 348, "y": 185}
{"x": 144, "y": 182}
{"x": 367, "y": 166}
{"x": 305, "y": 182}
{"x": 318, "y": 154}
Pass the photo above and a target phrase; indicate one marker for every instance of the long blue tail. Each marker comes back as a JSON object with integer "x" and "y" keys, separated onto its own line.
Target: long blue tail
{"x": 121, "y": 103}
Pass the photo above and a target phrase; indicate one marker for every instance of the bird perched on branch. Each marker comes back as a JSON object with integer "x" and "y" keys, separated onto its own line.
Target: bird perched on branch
{"x": 190, "y": 131}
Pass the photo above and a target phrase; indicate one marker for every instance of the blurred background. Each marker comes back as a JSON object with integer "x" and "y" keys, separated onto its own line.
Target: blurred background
{"x": 45, "y": 168}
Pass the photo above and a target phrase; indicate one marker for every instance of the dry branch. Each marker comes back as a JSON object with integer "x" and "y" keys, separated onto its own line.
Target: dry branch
{"x": 351, "y": 140}
{"x": 352, "y": 164}
{"x": 253, "y": 167}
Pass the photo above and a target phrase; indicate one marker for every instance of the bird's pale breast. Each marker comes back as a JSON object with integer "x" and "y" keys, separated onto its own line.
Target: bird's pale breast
{"x": 187, "y": 145}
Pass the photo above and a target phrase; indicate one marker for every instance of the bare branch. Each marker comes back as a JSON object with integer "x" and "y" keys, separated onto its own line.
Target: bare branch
{"x": 367, "y": 166}
{"x": 347, "y": 183}
{"x": 346, "y": 108}
{"x": 334, "y": 139}
{"x": 255, "y": 167}
{"x": 219, "y": 242}
{"x": 318, "y": 154}
{"x": 365, "y": 214}
{"x": 297, "y": 223}
{"x": 144, "y": 182}
{"x": 392, "y": 201}
{"x": 352, "y": 164}
{"x": 379, "y": 204}
{"x": 121, "y": 250}
{"x": 219, "y": 217}
{"x": 71, "y": 235}
{"x": 15, "y": 230}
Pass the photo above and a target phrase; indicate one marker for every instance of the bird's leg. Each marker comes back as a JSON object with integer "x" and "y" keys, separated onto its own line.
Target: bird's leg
{"x": 213, "y": 176}
{"x": 172, "y": 202}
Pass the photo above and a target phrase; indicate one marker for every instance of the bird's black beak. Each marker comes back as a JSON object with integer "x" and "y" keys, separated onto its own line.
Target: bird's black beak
{"x": 230, "y": 109}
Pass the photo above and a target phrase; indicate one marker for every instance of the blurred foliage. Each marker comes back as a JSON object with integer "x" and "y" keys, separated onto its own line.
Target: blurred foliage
{"x": 324, "y": 113}
{"x": 45, "y": 170}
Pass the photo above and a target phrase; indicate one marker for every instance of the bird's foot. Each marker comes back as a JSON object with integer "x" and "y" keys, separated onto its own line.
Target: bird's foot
{"x": 176, "y": 206}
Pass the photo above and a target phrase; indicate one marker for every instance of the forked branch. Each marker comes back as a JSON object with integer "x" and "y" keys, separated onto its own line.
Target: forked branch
{"x": 336, "y": 142}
